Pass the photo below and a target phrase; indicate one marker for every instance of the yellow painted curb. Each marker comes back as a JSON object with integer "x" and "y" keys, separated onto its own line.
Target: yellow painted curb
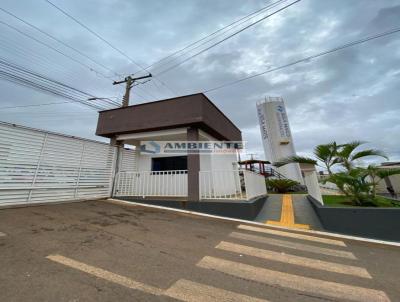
{"x": 287, "y": 215}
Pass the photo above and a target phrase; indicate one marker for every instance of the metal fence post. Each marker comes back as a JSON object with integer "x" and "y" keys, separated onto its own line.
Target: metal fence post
{"x": 80, "y": 170}
{"x": 38, "y": 166}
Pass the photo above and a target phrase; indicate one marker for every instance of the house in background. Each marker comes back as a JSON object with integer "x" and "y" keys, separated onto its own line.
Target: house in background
{"x": 392, "y": 181}
{"x": 191, "y": 176}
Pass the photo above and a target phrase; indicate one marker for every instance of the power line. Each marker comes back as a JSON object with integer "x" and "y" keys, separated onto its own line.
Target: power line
{"x": 24, "y": 53}
{"x": 215, "y": 34}
{"x": 27, "y": 83}
{"x": 105, "y": 41}
{"x": 307, "y": 59}
{"x": 228, "y": 37}
{"x": 94, "y": 33}
{"x": 26, "y": 57}
{"x": 29, "y": 74}
{"x": 36, "y": 105}
{"x": 54, "y": 49}
{"x": 25, "y": 77}
{"x": 37, "y": 86}
{"x": 58, "y": 40}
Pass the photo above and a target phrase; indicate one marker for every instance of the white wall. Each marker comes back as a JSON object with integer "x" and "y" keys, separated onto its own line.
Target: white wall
{"x": 40, "y": 166}
{"x": 224, "y": 183}
{"x": 311, "y": 181}
{"x": 205, "y": 162}
{"x": 394, "y": 180}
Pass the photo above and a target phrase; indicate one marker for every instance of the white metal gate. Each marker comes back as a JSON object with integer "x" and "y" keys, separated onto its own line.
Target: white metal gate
{"x": 40, "y": 166}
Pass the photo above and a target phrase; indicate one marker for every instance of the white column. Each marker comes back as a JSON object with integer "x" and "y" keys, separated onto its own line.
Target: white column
{"x": 311, "y": 181}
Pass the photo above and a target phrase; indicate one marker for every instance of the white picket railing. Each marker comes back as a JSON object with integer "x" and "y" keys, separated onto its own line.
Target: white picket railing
{"x": 255, "y": 184}
{"x": 221, "y": 184}
{"x": 151, "y": 183}
{"x": 231, "y": 184}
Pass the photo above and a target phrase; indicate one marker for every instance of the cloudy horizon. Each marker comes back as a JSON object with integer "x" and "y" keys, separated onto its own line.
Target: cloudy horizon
{"x": 348, "y": 95}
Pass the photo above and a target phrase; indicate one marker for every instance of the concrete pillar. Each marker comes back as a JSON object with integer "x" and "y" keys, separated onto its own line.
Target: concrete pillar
{"x": 114, "y": 142}
{"x": 119, "y": 146}
{"x": 311, "y": 181}
{"x": 193, "y": 165}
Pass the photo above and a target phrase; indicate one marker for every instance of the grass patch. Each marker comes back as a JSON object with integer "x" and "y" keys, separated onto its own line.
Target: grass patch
{"x": 343, "y": 201}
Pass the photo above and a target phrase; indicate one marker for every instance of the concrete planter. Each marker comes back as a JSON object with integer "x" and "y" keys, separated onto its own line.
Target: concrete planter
{"x": 377, "y": 223}
{"x": 247, "y": 210}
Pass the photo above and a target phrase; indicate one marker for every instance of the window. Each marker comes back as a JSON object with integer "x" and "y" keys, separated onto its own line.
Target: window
{"x": 169, "y": 163}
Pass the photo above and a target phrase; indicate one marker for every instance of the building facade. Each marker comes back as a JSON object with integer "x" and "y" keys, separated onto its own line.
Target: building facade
{"x": 153, "y": 128}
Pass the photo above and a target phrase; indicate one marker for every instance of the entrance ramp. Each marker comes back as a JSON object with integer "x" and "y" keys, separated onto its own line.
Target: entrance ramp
{"x": 289, "y": 210}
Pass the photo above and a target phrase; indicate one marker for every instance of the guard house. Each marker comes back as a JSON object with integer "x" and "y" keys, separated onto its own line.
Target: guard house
{"x": 191, "y": 176}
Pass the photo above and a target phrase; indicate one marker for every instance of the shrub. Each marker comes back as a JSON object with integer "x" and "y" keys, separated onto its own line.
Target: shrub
{"x": 281, "y": 185}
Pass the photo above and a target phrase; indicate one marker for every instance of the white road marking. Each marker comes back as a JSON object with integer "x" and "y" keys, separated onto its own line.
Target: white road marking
{"x": 104, "y": 274}
{"x": 295, "y": 282}
{"x": 291, "y": 235}
{"x": 185, "y": 290}
{"x": 296, "y": 260}
{"x": 2, "y": 234}
{"x": 293, "y": 245}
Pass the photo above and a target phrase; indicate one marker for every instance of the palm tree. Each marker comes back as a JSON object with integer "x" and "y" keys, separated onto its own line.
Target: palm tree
{"x": 281, "y": 185}
{"x": 354, "y": 185}
{"x": 332, "y": 154}
{"x": 325, "y": 153}
{"x": 347, "y": 154}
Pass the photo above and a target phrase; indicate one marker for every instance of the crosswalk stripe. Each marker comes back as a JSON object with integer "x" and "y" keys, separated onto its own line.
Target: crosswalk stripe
{"x": 291, "y": 235}
{"x": 294, "y": 245}
{"x": 295, "y": 282}
{"x": 292, "y": 259}
{"x": 185, "y": 290}
{"x": 106, "y": 275}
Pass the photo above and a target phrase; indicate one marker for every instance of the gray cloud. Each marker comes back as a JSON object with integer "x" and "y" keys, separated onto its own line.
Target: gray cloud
{"x": 348, "y": 95}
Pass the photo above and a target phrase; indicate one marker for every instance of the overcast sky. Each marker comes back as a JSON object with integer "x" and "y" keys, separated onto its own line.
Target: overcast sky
{"x": 349, "y": 95}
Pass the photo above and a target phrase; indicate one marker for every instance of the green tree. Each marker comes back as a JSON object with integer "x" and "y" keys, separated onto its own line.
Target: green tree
{"x": 354, "y": 184}
{"x": 358, "y": 184}
{"x": 325, "y": 153}
{"x": 347, "y": 154}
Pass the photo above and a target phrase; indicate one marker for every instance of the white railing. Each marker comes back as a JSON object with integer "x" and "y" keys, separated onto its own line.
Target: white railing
{"x": 231, "y": 184}
{"x": 221, "y": 184}
{"x": 255, "y": 184}
{"x": 151, "y": 183}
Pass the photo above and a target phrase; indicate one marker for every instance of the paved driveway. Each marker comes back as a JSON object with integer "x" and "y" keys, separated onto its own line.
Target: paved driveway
{"x": 99, "y": 251}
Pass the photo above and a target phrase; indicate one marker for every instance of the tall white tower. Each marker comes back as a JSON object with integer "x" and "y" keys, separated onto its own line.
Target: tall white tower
{"x": 276, "y": 136}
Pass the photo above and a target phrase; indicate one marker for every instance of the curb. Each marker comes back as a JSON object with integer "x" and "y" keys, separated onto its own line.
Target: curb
{"x": 326, "y": 234}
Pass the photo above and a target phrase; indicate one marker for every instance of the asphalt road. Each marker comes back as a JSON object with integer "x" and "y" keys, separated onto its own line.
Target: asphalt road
{"x": 99, "y": 251}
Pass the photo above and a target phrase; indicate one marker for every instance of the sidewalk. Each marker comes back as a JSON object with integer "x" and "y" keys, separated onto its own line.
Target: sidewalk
{"x": 291, "y": 210}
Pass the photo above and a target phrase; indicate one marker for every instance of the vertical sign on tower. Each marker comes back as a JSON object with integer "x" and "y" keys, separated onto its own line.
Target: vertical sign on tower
{"x": 276, "y": 135}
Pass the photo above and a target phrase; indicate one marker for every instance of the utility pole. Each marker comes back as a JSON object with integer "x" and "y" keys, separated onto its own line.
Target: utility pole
{"x": 129, "y": 83}
{"x": 252, "y": 156}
